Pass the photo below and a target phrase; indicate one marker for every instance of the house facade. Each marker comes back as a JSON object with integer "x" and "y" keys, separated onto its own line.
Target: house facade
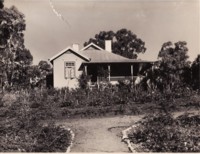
{"x": 71, "y": 62}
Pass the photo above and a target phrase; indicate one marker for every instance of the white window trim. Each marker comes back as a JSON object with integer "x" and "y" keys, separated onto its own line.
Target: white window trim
{"x": 74, "y": 67}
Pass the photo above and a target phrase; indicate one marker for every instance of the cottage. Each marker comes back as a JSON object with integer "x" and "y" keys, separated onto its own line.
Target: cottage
{"x": 71, "y": 62}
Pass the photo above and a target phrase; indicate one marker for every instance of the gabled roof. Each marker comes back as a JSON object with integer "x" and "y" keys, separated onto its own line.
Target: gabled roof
{"x": 91, "y": 45}
{"x": 68, "y": 49}
{"x": 94, "y": 54}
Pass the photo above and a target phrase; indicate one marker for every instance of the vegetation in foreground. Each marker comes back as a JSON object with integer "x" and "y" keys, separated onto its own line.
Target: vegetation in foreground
{"x": 162, "y": 133}
{"x": 22, "y": 131}
{"x": 22, "y": 115}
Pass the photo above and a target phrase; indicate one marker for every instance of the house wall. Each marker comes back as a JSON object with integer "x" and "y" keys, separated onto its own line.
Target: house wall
{"x": 59, "y": 70}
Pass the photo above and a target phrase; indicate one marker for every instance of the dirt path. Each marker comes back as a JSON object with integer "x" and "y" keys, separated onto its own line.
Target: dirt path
{"x": 99, "y": 134}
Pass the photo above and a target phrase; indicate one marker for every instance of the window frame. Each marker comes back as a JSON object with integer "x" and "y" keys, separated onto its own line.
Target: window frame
{"x": 73, "y": 66}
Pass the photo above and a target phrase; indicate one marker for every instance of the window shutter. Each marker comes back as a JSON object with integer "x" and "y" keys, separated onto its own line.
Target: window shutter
{"x": 67, "y": 72}
{"x": 72, "y": 72}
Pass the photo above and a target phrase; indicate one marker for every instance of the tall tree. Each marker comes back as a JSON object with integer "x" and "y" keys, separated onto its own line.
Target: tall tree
{"x": 14, "y": 56}
{"x": 100, "y": 38}
{"x": 172, "y": 68}
{"x": 195, "y": 68}
{"x": 124, "y": 42}
{"x": 23, "y": 60}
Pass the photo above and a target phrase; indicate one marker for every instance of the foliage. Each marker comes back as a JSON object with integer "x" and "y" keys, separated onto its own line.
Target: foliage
{"x": 15, "y": 60}
{"x": 24, "y": 109}
{"x": 23, "y": 131}
{"x": 38, "y": 74}
{"x": 52, "y": 138}
{"x": 37, "y": 138}
{"x": 172, "y": 70}
{"x": 34, "y": 75}
{"x": 124, "y": 42}
{"x": 83, "y": 81}
{"x": 52, "y": 103}
{"x": 189, "y": 120}
{"x": 162, "y": 133}
{"x": 125, "y": 85}
{"x": 14, "y": 57}
{"x": 1, "y": 4}
{"x": 195, "y": 68}
{"x": 100, "y": 38}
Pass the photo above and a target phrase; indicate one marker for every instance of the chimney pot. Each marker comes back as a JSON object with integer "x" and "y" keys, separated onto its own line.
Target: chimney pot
{"x": 75, "y": 47}
{"x": 108, "y": 45}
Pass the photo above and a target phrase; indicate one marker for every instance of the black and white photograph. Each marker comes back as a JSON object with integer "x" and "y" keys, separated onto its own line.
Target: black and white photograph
{"x": 99, "y": 76}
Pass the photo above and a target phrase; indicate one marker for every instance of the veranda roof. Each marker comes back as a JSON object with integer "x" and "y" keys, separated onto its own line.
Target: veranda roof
{"x": 105, "y": 57}
{"x": 102, "y": 56}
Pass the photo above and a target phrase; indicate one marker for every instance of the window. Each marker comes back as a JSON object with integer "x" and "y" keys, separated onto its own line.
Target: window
{"x": 69, "y": 64}
{"x": 70, "y": 70}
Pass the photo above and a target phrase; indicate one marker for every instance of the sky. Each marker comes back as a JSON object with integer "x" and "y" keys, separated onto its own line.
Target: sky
{"x": 154, "y": 21}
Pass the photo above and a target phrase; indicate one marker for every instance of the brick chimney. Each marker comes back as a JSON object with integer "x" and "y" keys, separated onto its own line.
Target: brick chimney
{"x": 75, "y": 47}
{"x": 108, "y": 45}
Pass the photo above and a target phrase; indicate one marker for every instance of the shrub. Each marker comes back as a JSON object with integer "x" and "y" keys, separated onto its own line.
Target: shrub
{"x": 83, "y": 81}
{"x": 23, "y": 131}
{"x": 51, "y": 138}
{"x": 20, "y": 137}
{"x": 188, "y": 120}
{"x": 163, "y": 133}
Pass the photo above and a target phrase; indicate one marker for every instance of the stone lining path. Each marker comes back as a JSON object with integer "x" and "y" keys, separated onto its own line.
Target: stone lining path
{"x": 99, "y": 134}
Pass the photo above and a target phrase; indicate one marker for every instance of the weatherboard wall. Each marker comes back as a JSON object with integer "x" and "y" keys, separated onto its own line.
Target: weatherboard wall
{"x": 60, "y": 79}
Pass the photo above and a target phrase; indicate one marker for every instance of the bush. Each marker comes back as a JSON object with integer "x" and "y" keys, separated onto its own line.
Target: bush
{"x": 83, "y": 81}
{"x": 20, "y": 137}
{"x": 51, "y": 138}
{"x": 163, "y": 133}
{"x": 23, "y": 131}
{"x": 188, "y": 120}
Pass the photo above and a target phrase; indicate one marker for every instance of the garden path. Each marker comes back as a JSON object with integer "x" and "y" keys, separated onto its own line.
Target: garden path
{"x": 102, "y": 134}
{"x": 99, "y": 134}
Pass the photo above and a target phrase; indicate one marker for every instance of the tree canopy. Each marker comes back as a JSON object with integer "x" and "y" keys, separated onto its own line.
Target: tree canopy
{"x": 15, "y": 58}
{"x": 1, "y": 4}
{"x": 195, "y": 68}
{"x": 172, "y": 68}
{"x": 38, "y": 73}
{"x": 124, "y": 42}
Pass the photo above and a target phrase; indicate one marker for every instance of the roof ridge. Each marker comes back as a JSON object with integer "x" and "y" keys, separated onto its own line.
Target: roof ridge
{"x": 66, "y": 49}
{"x": 87, "y": 46}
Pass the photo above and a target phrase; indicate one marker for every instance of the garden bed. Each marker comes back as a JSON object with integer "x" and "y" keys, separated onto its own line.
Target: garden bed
{"x": 163, "y": 133}
{"x": 14, "y": 137}
{"x": 21, "y": 129}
